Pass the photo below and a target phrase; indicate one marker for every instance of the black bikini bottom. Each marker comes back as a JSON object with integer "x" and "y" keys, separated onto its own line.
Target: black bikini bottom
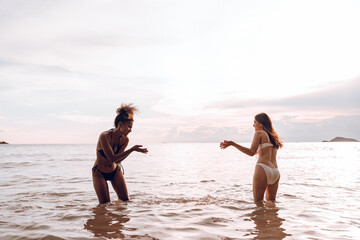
{"x": 107, "y": 176}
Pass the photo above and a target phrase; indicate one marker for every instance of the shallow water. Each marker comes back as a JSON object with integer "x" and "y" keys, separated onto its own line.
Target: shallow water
{"x": 180, "y": 191}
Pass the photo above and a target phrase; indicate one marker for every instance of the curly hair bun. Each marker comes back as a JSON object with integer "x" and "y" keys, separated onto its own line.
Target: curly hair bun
{"x": 125, "y": 113}
{"x": 127, "y": 108}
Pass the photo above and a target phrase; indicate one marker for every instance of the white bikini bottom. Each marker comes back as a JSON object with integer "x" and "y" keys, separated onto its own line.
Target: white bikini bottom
{"x": 272, "y": 174}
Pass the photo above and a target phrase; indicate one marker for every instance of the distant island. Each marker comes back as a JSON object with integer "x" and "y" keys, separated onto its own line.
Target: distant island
{"x": 2, "y": 142}
{"x": 342, "y": 139}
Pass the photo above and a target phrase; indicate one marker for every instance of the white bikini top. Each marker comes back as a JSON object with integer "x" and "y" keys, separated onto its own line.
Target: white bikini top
{"x": 264, "y": 145}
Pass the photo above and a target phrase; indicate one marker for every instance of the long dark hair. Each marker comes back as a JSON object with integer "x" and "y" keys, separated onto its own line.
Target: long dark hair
{"x": 125, "y": 113}
{"x": 265, "y": 121}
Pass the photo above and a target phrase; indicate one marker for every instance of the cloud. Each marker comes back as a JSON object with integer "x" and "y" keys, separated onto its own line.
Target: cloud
{"x": 33, "y": 68}
{"x": 80, "y": 118}
{"x": 34, "y": 88}
{"x": 335, "y": 96}
{"x": 326, "y": 112}
{"x": 106, "y": 23}
{"x": 67, "y": 63}
{"x": 327, "y": 129}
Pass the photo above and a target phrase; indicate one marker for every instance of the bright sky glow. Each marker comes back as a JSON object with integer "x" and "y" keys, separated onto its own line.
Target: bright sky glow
{"x": 198, "y": 70}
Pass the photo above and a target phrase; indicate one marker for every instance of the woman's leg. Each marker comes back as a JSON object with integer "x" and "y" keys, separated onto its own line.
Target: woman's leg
{"x": 101, "y": 187}
{"x": 272, "y": 190}
{"x": 259, "y": 183}
{"x": 119, "y": 185}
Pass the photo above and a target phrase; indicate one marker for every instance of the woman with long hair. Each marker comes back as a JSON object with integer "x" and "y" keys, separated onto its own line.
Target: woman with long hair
{"x": 265, "y": 142}
{"x": 110, "y": 152}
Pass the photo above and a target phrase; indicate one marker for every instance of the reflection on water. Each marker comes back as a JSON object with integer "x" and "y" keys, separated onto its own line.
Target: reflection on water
{"x": 267, "y": 222}
{"x": 108, "y": 221}
{"x": 180, "y": 191}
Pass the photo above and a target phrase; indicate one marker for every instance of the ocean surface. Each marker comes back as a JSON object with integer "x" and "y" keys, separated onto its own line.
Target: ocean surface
{"x": 180, "y": 191}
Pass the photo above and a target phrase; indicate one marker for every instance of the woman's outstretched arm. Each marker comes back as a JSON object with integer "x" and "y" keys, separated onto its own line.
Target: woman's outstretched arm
{"x": 249, "y": 151}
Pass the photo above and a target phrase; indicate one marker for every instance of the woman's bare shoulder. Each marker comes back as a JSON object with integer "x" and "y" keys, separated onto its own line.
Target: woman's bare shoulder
{"x": 104, "y": 134}
{"x": 259, "y": 133}
{"x": 124, "y": 139}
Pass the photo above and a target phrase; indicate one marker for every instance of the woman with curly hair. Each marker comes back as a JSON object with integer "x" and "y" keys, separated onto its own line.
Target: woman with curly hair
{"x": 266, "y": 142}
{"x": 110, "y": 152}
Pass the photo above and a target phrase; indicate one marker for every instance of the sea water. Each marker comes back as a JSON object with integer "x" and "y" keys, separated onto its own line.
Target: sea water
{"x": 180, "y": 191}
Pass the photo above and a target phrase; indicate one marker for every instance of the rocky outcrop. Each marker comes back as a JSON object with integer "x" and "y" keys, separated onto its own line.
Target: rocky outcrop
{"x": 342, "y": 139}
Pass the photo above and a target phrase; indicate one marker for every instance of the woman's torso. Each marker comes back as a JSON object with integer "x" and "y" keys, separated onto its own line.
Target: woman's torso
{"x": 267, "y": 152}
{"x": 102, "y": 163}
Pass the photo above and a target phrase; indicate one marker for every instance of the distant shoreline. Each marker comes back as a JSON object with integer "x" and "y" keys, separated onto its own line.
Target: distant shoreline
{"x": 2, "y": 142}
{"x": 341, "y": 139}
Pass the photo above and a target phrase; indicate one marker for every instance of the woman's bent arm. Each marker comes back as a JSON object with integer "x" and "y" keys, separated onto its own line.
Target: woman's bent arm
{"x": 109, "y": 153}
{"x": 121, "y": 156}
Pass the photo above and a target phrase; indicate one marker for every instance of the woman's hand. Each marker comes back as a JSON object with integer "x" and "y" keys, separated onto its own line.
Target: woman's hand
{"x": 225, "y": 144}
{"x": 139, "y": 148}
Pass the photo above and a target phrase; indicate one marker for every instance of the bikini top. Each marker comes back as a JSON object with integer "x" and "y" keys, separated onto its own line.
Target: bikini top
{"x": 117, "y": 150}
{"x": 101, "y": 151}
{"x": 264, "y": 145}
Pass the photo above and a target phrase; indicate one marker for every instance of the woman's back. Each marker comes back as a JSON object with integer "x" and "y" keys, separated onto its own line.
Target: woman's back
{"x": 267, "y": 151}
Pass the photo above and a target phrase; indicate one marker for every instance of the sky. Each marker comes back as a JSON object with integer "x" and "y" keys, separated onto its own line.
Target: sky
{"x": 199, "y": 71}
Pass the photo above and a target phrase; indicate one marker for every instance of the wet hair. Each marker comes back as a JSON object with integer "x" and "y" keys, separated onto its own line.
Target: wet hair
{"x": 265, "y": 121}
{"x": 125, "y": 113}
